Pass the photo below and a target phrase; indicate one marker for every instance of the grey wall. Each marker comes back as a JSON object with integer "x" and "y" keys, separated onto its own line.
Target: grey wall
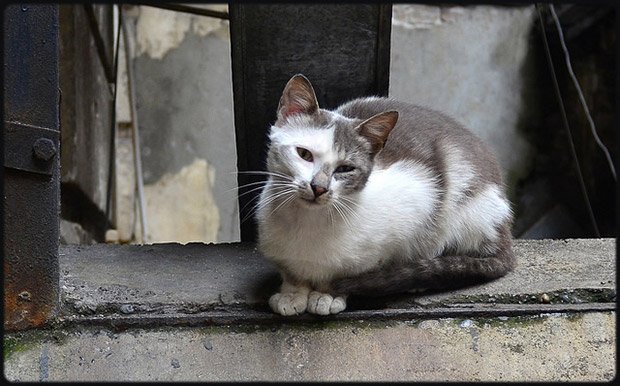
{"x": 472, "y": 63}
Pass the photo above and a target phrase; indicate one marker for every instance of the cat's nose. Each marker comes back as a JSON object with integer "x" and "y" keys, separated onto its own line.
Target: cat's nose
{"x": 318, "y": 190}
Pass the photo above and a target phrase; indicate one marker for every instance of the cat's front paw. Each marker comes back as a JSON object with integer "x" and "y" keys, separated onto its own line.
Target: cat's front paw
{"x": 293, "y": 303}
{"x": 325, "y": 304}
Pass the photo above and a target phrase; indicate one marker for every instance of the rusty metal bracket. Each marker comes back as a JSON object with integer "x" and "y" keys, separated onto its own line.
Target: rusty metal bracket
{"x": 30, "y": 148}
{"x": 31, "y": 198}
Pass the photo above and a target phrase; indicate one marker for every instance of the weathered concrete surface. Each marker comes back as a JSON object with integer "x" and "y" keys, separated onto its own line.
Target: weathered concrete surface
{"x": 432, "y": 337}
{"x": 199, "y": 277}
{"x": 545, "y": 348}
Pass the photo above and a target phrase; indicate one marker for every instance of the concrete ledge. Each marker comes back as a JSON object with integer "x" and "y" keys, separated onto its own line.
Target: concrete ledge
{"x": 125, "y": 309}
{"x": 547, "y": 348}
{"x": 223, "y": 283}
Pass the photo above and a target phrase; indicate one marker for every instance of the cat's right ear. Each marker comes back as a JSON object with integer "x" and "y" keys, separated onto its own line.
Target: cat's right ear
{"x": 377, "y": 128}
{"x": 298, "y": 97}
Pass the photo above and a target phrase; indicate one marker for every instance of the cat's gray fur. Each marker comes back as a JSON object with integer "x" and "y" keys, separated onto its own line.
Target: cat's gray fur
{"x": 425, "y": 139}
{"x": 456, "y": 172}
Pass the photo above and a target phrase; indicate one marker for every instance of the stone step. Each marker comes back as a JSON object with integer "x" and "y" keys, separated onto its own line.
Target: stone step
{"x": 198, "y": 312}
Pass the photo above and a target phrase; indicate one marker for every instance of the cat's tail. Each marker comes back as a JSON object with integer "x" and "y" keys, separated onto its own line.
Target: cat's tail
{"x": 442, "y": 272}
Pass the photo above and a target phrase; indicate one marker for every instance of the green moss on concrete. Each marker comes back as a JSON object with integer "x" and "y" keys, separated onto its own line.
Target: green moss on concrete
{"x": 570, "y": 296}
{"x": 12, "y": 345}
{"x": 19, "y": 342}
{"x": 26, "y": 340}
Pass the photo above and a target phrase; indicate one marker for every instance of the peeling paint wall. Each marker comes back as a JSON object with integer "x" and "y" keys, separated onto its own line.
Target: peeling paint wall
{"x": 181, "y": 206}
{"x": 185, "y": 110}
{"x": 159, "y": 31}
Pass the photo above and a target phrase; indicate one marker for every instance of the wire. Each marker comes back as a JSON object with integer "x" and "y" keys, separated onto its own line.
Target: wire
{"x": 129, "y": 54}
{"x": 190, "y": 9}
{"x": 565, "y": 121}
{"x": 581, "y": 97}
{"x": 112, "y": 149}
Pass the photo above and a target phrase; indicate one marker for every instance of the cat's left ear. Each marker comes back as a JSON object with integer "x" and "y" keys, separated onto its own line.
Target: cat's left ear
{"x": 377, "y": 128}
{"x": 298, "y": 97}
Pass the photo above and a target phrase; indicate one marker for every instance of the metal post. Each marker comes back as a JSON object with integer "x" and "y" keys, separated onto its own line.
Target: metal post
{"x": 31, "y": 165}
{"x": 129, "y": 54}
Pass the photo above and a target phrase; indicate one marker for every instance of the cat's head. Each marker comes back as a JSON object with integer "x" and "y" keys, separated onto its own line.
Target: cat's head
{"x": 320, "y": 156}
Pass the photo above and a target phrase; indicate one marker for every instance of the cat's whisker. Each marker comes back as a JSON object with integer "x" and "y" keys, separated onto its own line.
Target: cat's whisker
{"x": 342, "y": 214}
{"x": 284, "y": 202}
{"x": 330, "y": 212}
{"x": 266, "y": 173}
{"x": 250, "y": 191}
{"x": 277, "y": 185}
{"x": 245, "y": 186}
{"x": 351, "y": 211}
{"x": 350, "y": 203}
{"x": 273, "y": 197}
{"x": 256, "y": 203}
{"x": 270, "y": 199}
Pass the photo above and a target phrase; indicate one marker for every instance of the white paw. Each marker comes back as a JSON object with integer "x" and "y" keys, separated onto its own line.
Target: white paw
{"x": 324, "y": 304}
{"x": 286, "y": 304}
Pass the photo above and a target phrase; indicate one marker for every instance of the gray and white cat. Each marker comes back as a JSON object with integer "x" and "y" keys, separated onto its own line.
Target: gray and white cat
{"x": 377, "y": 197}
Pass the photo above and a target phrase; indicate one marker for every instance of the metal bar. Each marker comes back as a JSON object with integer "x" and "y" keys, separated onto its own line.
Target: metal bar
{"x": 246, "y": 316}
{"x": 135, "y": 126}
{"x": 129, "y": 50}
{"x": 106, "y": 62}
{"x": 31, "y": 201}
{"x": 189, "y": 9}
{"x": 383, "y": 49}
{"x": 112, "y": 147}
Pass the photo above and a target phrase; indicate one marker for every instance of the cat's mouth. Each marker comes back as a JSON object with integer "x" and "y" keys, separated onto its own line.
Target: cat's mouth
{"x": 314, "y": 202}
{"x": 310, "y": 201}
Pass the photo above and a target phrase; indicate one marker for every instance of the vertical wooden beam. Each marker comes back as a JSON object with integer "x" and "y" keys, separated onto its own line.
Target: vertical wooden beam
{"x": 87, "y": 111}
{"x": 344, "y": 49}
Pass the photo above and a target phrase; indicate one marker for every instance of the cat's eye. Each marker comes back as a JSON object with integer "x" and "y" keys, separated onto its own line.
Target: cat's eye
{"x": 344, "y": 169}
{"x": 305, "y": 154}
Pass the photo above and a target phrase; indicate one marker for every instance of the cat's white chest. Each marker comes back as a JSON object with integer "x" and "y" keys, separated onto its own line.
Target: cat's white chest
{"x": 321, "y": 244}
{"x": 316, "y": 247}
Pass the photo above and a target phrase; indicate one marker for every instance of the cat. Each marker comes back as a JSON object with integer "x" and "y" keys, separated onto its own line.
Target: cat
{"x": 374, "y": 198}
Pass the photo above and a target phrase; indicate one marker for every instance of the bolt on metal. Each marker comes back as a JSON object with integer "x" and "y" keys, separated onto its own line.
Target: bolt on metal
{"x": 44, "y": 149}
{"x": 25, "y": 295}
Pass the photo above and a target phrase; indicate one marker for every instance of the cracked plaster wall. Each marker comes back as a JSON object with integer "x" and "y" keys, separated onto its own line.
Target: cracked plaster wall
{"x": 184, "y": 102}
